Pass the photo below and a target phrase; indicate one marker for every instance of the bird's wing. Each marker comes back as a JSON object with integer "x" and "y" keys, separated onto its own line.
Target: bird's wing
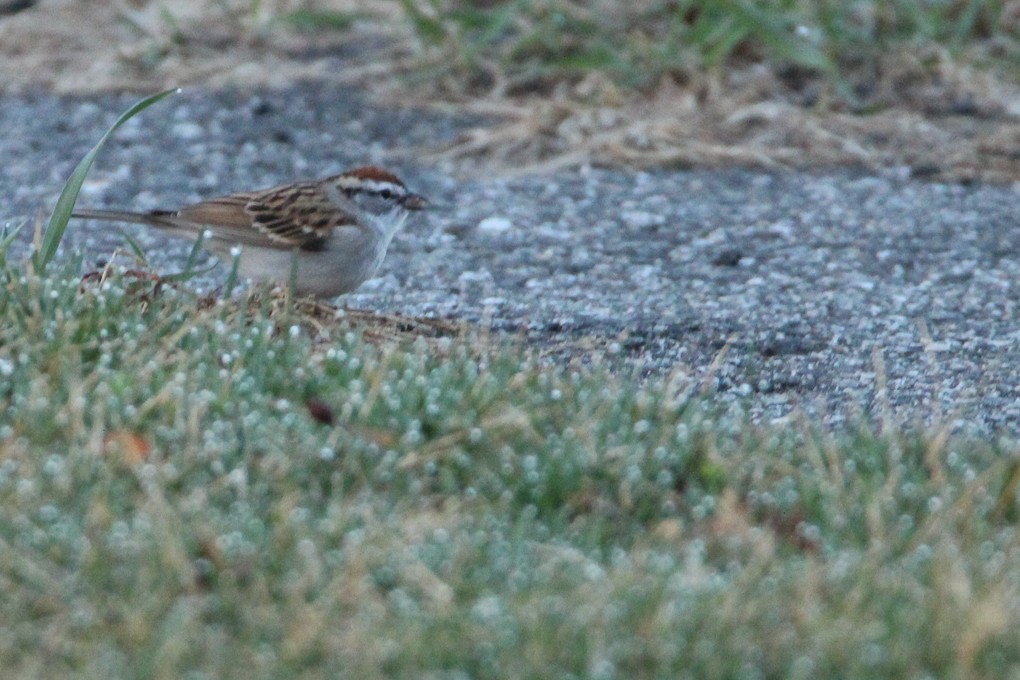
{"x": 293, "y": 216}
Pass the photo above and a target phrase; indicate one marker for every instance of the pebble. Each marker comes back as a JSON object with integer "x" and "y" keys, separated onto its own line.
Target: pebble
{"x": 495, "y": 225}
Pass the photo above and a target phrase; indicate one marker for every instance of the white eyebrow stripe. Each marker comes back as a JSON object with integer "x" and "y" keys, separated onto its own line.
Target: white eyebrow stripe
{"x": 375, "y": 186}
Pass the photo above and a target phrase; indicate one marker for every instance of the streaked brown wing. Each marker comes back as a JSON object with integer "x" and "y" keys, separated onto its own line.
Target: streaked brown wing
{"x": 293, "y": 216}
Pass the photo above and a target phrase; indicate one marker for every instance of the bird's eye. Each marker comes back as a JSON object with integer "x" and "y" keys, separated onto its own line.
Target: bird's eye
{"x": 386, "y": 193}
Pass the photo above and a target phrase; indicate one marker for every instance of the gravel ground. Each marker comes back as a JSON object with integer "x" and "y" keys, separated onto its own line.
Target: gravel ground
{"x": 784, "y": 292}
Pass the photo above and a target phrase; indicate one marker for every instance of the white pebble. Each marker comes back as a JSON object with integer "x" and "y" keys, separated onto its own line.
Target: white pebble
{"x": 188, "y": 130}
{"x": 641, "y": 219}
{"x": 495, "y": 225}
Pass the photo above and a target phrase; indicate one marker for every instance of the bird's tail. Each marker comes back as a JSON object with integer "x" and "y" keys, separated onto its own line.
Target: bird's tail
{"x": 163, "y": 219}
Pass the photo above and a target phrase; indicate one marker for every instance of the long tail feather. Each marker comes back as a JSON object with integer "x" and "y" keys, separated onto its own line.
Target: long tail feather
{"x": 156, "y": 218}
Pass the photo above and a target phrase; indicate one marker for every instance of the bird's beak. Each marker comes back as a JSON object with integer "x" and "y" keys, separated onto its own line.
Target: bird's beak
{"x": 415, "y": 202}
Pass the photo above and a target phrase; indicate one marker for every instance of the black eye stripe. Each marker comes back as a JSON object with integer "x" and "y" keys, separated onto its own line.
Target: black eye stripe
{"x": 386, "y": 192}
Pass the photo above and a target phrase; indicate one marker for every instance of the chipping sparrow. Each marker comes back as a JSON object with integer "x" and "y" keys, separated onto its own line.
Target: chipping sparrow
{"x": 336, "y": 230}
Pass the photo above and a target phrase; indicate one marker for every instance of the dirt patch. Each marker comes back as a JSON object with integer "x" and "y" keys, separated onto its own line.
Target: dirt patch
{"x": 944, "y": 122}
{"x": 70, "y": 46}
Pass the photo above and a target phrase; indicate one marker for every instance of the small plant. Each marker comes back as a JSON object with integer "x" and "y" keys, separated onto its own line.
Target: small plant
{"x": 57, "y": 224}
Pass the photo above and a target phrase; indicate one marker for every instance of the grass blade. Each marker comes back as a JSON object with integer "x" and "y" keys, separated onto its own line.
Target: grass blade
{"x": 231, "y": 283}
{"x": 319, "y": 19}
{"x": 196, "y": 250}
{"x": 136, "y": 249}
{"x": 430, "y": 30}
{"x": 65, "y": 204}
{"x": 7, "y": 237}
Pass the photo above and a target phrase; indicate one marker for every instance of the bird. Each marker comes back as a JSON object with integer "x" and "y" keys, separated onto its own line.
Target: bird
{"x": 325, "y": 236}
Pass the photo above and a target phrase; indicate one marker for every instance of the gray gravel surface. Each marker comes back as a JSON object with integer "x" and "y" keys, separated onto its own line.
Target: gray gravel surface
{"x": 782, "y": 292}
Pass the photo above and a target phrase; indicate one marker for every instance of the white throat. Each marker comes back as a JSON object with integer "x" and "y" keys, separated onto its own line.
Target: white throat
{"x": 389, "y": 223}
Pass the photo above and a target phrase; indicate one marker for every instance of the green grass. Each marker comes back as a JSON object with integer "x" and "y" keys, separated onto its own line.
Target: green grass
{"x": 526, "y": 46}
{"x": 171, "y": 507}
{"x": 533, "y": 44}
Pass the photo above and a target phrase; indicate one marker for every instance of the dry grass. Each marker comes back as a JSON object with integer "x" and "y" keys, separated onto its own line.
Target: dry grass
{"x": 962, "y": 127}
